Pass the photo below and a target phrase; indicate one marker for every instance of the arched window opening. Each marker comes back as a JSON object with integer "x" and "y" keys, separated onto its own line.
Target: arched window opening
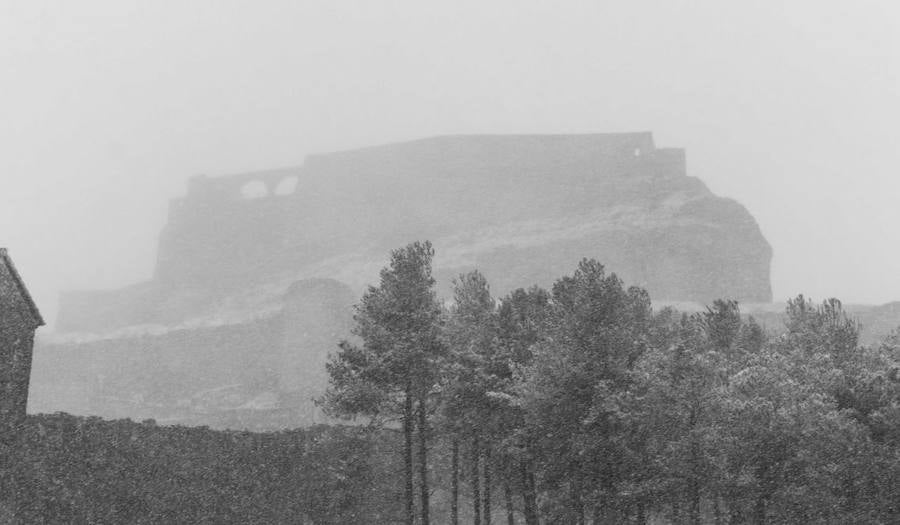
{"x": 254, "y": 190}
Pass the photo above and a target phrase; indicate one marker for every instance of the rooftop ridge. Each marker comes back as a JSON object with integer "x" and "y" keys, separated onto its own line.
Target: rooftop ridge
{"x": 4, "y": 256}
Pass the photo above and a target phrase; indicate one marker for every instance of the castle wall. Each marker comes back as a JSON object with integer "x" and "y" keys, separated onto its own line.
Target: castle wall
{"x": 375, "y": 199}
{"x": 339, "y": 215}
{"x": 213, "y": 375}
{"x": 158, "y": 376}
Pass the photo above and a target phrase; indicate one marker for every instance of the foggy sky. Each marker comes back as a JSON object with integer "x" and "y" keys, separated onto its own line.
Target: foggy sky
{"x": 107, "y": 107}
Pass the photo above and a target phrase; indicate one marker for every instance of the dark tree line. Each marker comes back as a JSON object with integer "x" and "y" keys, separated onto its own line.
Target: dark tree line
{"x": 582, "y": 404}
{"x": 66, "y": 469}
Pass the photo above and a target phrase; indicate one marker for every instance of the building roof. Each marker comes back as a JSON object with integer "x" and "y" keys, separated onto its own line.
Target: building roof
{"x": 6, "y": 260}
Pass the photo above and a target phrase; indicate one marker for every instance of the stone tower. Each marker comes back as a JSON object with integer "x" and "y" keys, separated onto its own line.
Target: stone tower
{"x": 19, "y": 318}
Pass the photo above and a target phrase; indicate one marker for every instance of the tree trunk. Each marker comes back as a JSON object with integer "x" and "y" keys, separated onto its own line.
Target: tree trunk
{"x": 476, "y": 479}
{"x": 850, "y": 495}
{"x": 759, "y": 511}
{"x": 408, "y": 455}
{"x": 763, "y": 493}
{"x": 734, "y": 511}
{"x": 604, "y": 513}
{"x": 454, "y": 483}
{"x": 423, "y": 459}
{"x": 641, "y": 514}
{"x": 507, "y": 495}
{"x": 577, "y": 502}
{"x": 694, "y": 483}
{"x": 529, "y": 495}
{"x": 694, "y": 501}
{"x": 487, "y": 485}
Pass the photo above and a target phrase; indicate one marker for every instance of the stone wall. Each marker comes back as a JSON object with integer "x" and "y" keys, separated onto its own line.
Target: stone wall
{"x": 253, "y": 370}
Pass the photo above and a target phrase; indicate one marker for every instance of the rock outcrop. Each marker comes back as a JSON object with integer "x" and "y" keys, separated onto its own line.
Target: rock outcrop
{"x": 522, "y": 209}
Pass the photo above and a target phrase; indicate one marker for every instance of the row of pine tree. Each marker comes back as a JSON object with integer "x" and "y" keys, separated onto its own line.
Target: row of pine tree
{"x": 582, "y": 404}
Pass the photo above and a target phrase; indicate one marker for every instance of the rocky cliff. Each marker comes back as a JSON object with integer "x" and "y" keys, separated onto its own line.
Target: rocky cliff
{"x": 522, "y": 209}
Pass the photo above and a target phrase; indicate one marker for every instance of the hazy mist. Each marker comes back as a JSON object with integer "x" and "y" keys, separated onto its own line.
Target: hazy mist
{"x": 107, "y": 107}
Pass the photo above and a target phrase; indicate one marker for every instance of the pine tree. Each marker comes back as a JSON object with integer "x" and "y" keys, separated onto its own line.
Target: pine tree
{"x": 471, "y": 334}
{"x": 394, "y": 371}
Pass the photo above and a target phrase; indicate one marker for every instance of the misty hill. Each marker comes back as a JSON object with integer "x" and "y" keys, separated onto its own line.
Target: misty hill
{"x": 521, "y": 208}
{"x": 524, "y": 209}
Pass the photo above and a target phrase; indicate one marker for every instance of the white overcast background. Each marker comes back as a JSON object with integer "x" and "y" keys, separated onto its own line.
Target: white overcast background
{"x": 792, "y": 108}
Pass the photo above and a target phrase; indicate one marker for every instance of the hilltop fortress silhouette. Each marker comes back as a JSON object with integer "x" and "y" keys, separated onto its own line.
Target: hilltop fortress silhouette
{"x": 257, "y": 272}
